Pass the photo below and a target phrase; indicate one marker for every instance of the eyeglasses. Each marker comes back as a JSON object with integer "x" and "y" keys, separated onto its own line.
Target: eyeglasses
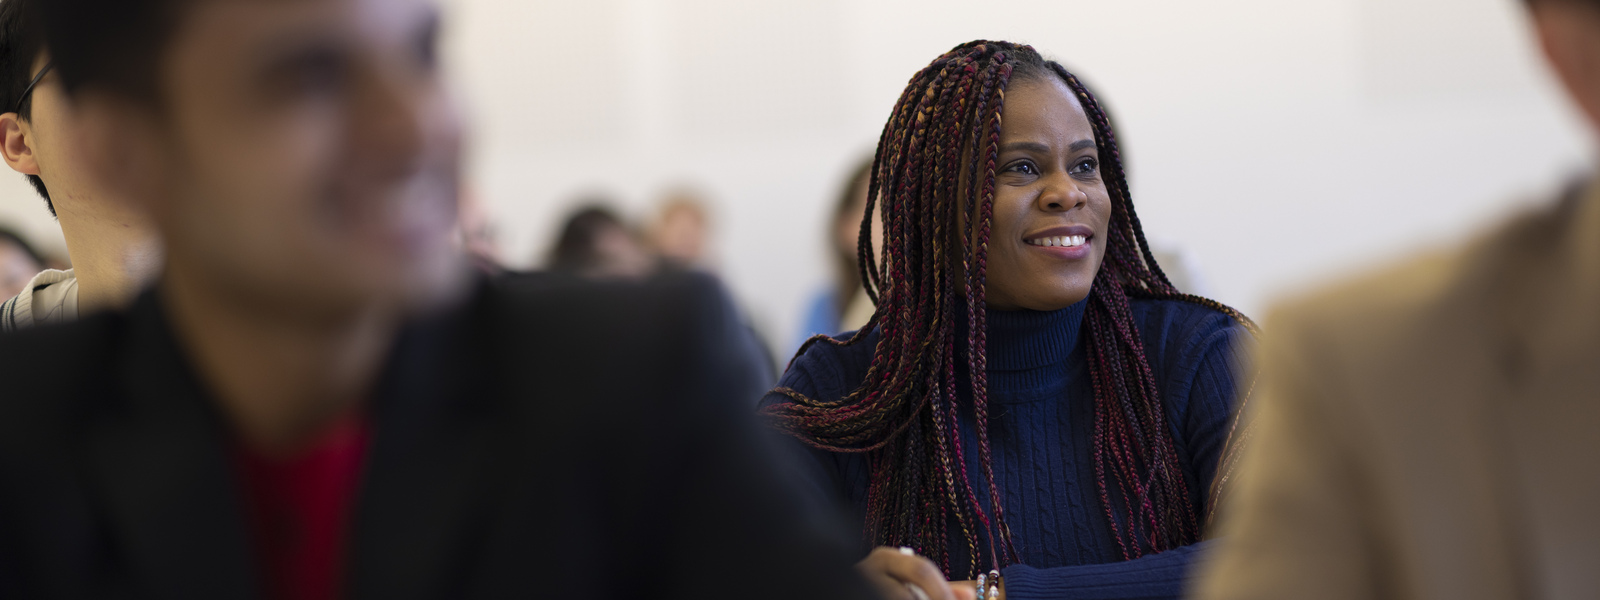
{"x": 29, "y": 90}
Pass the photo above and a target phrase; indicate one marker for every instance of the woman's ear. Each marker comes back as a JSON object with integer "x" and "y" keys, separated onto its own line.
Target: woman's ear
{"x": 123, "y": 148}
{"x": 17, "y": 145}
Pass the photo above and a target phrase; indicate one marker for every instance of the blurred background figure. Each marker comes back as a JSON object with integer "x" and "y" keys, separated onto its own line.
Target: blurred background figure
{"x": 843, "y": 305}
{"x": 596, "y": 243}
{"x": 681, "y": 238}
{"x": 681, "y": 231}
{"x": 19, "y": 262}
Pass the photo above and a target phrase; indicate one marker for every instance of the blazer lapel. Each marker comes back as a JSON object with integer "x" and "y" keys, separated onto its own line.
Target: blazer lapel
{"x": 1558, "y": 303}
{"x": 158, "y": 453}
{"x": 1547, "y": 422}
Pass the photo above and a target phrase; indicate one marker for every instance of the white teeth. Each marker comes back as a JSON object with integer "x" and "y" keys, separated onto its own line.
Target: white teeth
{"x": 1059, "y": 241}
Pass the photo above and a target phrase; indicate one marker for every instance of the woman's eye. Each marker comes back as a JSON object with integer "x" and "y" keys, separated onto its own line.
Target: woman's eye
{"x": 1024, "y": 168}
{"x": 1086, "y": 166}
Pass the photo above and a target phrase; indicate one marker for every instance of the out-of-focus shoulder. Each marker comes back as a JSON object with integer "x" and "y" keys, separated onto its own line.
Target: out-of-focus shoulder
{"x": 1179, "y": 316}
{"x": 822, "y": 351}
{"x": 827, "y": 371}
{"x": 50, "y": 371}
{"x": 56, "y": 349}
{"x": 1180, "y": 335}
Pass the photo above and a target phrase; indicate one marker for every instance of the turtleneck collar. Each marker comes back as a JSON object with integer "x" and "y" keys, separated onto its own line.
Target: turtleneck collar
{"x": 1021, "y": 340}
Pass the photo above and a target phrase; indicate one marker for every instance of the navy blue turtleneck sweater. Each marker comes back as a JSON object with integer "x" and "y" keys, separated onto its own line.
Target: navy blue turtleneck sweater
{"x": 1041, "y": 424}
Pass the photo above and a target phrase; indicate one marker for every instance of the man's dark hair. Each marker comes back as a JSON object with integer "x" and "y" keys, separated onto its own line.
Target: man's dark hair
{"x": 20, "y": 45}
{"x": 111, "y": 45}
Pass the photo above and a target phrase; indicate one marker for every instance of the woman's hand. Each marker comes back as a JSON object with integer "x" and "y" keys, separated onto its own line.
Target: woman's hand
{"x": 891, "y": 569}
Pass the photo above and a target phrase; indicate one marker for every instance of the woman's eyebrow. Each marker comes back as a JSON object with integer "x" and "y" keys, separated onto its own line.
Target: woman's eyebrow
{"x": 1041, "y": 148}
{"x": 1024, "y": 146}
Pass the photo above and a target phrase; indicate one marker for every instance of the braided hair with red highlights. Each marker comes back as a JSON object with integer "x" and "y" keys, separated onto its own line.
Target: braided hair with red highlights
{"x": 933, "y": 172}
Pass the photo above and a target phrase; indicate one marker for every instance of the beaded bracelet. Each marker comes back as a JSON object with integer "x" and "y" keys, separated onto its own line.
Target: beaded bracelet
{"x": 989, "y": 582}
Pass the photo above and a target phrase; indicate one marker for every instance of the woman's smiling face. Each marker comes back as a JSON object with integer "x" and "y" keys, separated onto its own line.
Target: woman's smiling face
{"x": 1051, "y": 207}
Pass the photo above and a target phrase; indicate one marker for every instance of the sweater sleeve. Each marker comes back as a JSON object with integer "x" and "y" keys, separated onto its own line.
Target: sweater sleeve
{"x": 1201, "y": 392}
{"x": 1210, "y": 396}
{"x": 1152, "y": 576}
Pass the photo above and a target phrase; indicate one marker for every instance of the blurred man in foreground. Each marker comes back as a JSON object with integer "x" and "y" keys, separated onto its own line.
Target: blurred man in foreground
{"x": 114, "y": 248}
{"x": 316, "y": 400}
{"x": 1431, "y": 431}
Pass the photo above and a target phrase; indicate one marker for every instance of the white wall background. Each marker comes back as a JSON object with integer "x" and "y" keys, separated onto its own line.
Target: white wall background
{"x": 1280, "y": 143}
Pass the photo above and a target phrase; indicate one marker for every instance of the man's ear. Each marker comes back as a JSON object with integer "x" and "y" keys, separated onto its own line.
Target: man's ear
{"x": 1569, "y": 35}
{"x": 17, "y": 145}
{"x": 122, "y": 148}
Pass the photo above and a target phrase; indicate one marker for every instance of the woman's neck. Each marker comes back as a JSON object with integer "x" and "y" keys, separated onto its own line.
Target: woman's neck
{"x": 1025, "y": 339}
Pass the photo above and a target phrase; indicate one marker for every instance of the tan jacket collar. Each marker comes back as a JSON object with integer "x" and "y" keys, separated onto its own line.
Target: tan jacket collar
{"x": 1550, "y": 283}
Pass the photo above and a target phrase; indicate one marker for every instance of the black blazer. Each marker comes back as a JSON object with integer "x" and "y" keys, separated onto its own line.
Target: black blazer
{"x": 548, "y": 438}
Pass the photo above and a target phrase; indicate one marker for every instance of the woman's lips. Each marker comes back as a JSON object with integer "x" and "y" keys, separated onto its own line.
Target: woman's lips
{"x": 1059, "y": 241}
{"x": 1067, "y": 241}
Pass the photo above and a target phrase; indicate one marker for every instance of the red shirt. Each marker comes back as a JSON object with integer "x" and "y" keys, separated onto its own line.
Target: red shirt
{"x": 298, "y": 509}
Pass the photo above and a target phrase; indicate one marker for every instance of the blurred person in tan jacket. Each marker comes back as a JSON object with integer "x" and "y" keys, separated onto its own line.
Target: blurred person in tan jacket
{"x": 1433, "y": 430}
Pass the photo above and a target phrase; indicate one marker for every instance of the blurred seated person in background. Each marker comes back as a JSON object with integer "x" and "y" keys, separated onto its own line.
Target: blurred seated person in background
{"x": 596, "y": 243}
{"x": 844, "y": 305}
{"x": 18, "y": 263}
{"x": 114, "y": 248}
{"x": 1033, "y": 403}
{"x": 1432, "y": 430}
{"x": 681, "y": 232}
{"x": 316, "y": 400}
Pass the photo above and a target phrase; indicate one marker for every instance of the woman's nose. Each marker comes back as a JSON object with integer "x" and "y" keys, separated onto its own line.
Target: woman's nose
{"x": 1062, "y": 193}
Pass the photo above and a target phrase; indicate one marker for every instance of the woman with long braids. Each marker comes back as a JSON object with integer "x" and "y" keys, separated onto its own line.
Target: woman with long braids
{"x": 1033, "y": 410}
